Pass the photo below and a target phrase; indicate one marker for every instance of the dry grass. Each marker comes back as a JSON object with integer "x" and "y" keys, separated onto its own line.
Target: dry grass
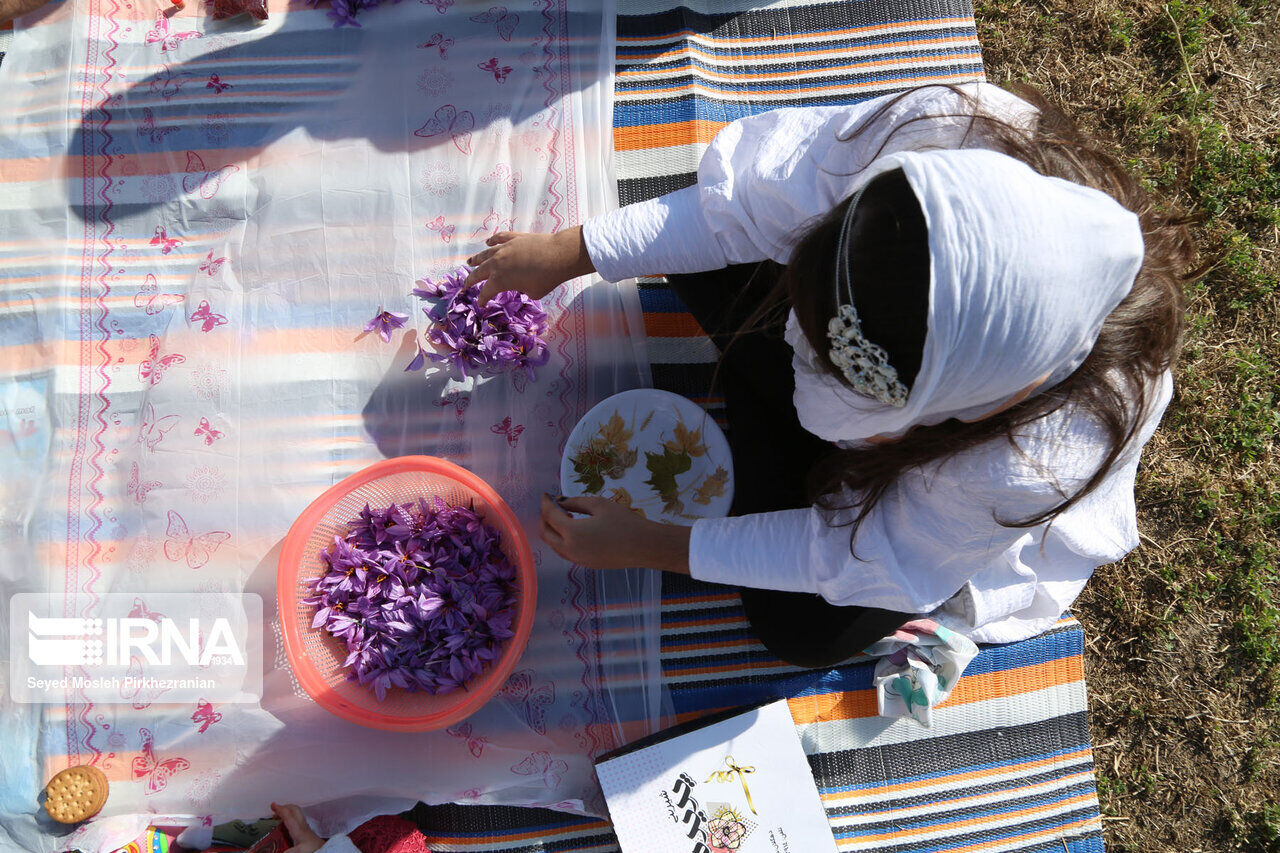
{"x": 1184, "y": 635}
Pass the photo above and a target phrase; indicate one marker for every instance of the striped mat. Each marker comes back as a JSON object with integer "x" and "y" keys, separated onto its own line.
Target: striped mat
{"x": 1008, "y": 764}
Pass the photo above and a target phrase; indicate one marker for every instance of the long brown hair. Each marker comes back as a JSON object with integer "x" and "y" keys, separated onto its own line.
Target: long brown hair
{"x": 1139, "y": 340}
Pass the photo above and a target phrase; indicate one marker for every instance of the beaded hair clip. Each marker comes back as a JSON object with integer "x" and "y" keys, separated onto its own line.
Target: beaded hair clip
{"x": 863, "y": 363}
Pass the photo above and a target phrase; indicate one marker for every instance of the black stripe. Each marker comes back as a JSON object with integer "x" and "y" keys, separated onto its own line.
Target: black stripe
{"x": 950, "y": 753}
{"x": 687, "y": 379}
{"x": 631, "y": 190}
{"x": 784, "y": 23}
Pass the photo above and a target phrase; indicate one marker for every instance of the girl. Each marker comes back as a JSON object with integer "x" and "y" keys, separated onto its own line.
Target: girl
{"x": 978, "y": 311}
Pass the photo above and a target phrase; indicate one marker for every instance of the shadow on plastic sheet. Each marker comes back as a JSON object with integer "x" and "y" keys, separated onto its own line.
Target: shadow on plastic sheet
{"x": 383, "y": 82}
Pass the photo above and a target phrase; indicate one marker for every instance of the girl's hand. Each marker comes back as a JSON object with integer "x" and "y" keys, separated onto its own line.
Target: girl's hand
{"x": 612, "y": 536}
{"x": 295, "y": 823}
{"x": 534, "y": 264}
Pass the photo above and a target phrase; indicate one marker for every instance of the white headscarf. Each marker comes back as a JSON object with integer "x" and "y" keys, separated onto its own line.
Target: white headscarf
{"x": 1024, "y": 269}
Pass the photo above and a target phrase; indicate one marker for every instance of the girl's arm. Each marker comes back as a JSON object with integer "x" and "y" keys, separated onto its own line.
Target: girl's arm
{"x": 915, "y": 550}
{"x": 610, "y": 536}
{"x": 760, "y": 180}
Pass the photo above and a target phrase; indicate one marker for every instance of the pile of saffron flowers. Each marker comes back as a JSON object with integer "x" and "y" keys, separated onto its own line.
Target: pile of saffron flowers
{"x": 421, "y": 594}
{"x": 504, "y": 334}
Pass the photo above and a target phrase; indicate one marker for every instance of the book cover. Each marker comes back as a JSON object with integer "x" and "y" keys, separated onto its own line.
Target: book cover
{"x": 739, "y": 785}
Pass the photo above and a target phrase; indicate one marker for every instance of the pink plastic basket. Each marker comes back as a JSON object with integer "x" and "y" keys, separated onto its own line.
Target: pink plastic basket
{"x": 316, "y": 657}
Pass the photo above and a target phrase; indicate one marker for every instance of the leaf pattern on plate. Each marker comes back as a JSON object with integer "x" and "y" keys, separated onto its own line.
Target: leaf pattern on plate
{"x": 712, "y": 486}
{"x": 663, "y": 468}
{"x": 686, "y": 440}
{"x": 607, "y": 454}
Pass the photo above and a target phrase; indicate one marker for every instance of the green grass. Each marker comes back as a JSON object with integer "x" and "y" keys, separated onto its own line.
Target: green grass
{"x": 1188, "y": 627}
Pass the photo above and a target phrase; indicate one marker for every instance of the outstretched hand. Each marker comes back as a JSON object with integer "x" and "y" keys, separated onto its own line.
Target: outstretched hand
{"x": 611, "y": 536}
{"x": 534, "y": 264}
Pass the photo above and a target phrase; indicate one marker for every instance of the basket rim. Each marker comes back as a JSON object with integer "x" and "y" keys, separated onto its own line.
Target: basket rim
{"x": 291, "y": 556}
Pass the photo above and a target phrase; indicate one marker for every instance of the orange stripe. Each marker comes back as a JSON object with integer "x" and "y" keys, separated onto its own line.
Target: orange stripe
{"x": 685, "y": 647}
{"x": 895, "y": 26}
{"x": 1010, "y": 682}
{"x": 716, "y": 597}
{"x": 854, "y": 704}
{"x": 663, "y": 324}
{"x": 696, "y": 623}
{"x": 665, "y": 135}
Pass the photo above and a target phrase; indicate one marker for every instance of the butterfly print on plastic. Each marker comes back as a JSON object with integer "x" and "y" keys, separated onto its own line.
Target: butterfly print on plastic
{"x": 531, "y": 699}
{"x": 506, "y": 21}
{"x": 439, "y": 41}
{"x": 510, "y": 179}
{"x": 140, "y": 611}
{"x": 180, "y": 545}
{"x": 493, "y": 223}
{"x": 166, "y": 243}
{"x": 207, "y": 432}
{"x": 457, "y": 399}
{"x": 152, "y": 367}
{"x": 448, "y": 120}
{"x": 511, "y": 432}
{"x": 138, "y": 488}
{"x": 463, "y": 731}
{"x": 499, "y": 72}
{"x": 440, "y": 6}
{"x": 211, "y": 265}
{"x": 445, "y": 231}
{"x": 153, "y": 430}
{"x": 206, "y": 318}
{"x": 147, "y": 127}
{"x": 215, "y": 83}
{"x": 206, "y": 181}
{"x": 204, "y": 716}
{"x": 135, "y": 690}
{"x": 156, "y": 772}
{"x": 159, "y": 34}
{"x": 150, "y": 299}
{"x": 167, "y": 84}
{"x": 542, "y": 764}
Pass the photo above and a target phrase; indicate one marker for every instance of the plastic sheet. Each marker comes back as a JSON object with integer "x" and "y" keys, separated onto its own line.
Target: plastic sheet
{"x": 200, "y": 217}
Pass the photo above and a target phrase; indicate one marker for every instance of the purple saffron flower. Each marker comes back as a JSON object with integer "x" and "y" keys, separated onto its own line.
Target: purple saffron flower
{"x": 384, "y": 322}
{"x": 421, "y": 594}
{"x": 503, "y": 335}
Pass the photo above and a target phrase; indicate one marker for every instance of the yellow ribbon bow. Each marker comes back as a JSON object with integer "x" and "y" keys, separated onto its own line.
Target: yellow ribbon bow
{"x": 735, "y": 771}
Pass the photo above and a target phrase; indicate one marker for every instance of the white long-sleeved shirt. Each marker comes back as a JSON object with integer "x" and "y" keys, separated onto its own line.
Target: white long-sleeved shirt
{"x": 933, "y": 544}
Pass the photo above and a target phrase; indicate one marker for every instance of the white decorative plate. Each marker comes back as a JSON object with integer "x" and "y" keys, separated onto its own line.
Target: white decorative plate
{"x": 653, "y": 451}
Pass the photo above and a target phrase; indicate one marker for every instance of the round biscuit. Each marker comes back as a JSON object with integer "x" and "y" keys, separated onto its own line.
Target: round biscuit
{"x": 76, "y": 794}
